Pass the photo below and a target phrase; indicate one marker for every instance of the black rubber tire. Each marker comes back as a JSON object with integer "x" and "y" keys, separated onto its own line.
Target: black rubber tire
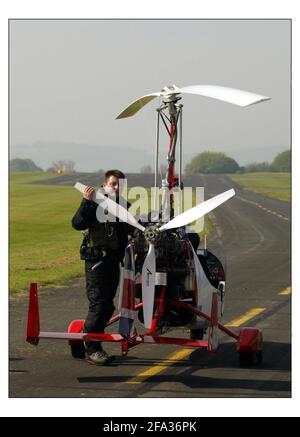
{"x": 78, "y": 350}
{"x": 196, "y": 334}
{"x": 250, "y": 359}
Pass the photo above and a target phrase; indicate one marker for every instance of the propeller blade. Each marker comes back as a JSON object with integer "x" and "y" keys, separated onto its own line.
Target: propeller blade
{"x": 204, "y": 289}
{"x": 230, "y": 95}
{"x": 148, "y": 285}
{"x": 198, "y": 211}
{"x": 138, "y": 104}
{"x": 113, "y": 208}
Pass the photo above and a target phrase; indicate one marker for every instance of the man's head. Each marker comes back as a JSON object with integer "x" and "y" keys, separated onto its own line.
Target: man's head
{"x": 111, "y": 181}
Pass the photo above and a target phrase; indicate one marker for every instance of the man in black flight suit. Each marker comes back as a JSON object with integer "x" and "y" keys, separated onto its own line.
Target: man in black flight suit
{"x": 102, "y": 249}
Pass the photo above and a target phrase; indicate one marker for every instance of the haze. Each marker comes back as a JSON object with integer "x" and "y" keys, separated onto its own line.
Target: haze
{"x": 69, "y": 79}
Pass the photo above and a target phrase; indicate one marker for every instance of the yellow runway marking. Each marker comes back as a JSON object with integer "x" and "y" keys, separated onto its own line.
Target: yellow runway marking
{"x": 247, "y": 316}
{"x": 159, "y": 367}
{"x": 285, "y": 292}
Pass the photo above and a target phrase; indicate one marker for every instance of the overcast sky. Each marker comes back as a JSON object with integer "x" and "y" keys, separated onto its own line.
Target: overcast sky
{"x": 70, "y": 79}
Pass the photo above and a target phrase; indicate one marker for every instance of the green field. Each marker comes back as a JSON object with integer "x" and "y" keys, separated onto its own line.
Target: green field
{"x": 44, "y": 248}
{"x": 43, "y": 244}
{"x": 275, "y": 185}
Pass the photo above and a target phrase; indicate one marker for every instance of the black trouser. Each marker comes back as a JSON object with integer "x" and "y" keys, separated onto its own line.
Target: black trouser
{"x": 101, "y": 287}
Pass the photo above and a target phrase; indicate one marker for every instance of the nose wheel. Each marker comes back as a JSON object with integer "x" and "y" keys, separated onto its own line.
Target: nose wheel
{"x": 250, "y": 359}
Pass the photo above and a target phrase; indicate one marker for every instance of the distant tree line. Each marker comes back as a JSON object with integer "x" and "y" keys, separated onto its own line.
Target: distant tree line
{"x": 147, "y": 169}
{"x": 62, "y": 166}
{"x": 205, "y": 162}
{"x": 217, "y": 162}
{"x": 27, "y": 165}
{"x": 281, "y": 163}
{"x": 211, "y": 162}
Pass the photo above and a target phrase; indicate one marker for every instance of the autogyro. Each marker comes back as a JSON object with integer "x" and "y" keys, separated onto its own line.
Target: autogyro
{"x": 178, "y": 283}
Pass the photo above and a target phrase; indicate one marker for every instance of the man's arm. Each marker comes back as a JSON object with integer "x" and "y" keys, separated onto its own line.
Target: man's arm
{"x": 86, "y": 213}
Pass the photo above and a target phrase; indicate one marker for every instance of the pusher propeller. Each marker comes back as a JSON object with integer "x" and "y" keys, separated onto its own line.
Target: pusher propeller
{"x": 197, "y": 211}
{"x": 148, "y": 285}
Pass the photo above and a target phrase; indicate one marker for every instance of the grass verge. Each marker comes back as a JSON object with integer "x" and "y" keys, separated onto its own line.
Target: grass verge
{"x": 43, "y": 244}
{"x": 275, "y": 185}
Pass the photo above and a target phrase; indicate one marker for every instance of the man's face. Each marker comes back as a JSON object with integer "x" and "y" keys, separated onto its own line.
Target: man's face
{"x": 111, "y": 186}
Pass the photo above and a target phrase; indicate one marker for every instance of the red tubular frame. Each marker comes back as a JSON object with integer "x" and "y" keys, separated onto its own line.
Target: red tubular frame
{"x": 206, "y": 317}
{"x": 159, "y": 310}
{"x": 171, "y": 164}
{"x": 34, "y": 333}
{"x": 33, "y": 321}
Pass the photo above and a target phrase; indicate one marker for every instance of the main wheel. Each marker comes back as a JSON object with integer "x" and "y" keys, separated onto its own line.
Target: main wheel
{"x": 77, "y": 350}
{"x": 196, "y": 334}
{"x": 250, "y": 359}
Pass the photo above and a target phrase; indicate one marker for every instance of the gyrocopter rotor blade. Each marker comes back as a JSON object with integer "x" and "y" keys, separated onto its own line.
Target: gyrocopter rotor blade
{"x": 148, "y": 285}
{"x": 137, "y": 105}
{"x": 229, "y": 95}
{"x": 226, "y": 94}
{"x": 197, "y": 211}
{"x": 113, "y": 208}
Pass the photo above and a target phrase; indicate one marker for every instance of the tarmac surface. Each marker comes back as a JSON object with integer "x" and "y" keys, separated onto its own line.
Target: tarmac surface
{"x": 254, "y": 232}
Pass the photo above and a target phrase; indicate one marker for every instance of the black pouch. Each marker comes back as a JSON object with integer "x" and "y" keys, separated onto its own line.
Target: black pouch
{"x": 85, "y": 250}
{"x": 88, "y": 253}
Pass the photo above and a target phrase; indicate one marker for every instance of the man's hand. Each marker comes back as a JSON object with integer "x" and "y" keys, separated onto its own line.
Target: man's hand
{"x": 88, "y": 193}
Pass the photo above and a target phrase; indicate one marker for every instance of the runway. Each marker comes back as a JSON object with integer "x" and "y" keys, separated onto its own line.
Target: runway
{"x": 254, "y": 233}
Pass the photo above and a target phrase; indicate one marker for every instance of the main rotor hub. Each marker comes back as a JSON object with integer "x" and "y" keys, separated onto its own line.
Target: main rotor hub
{"x": 170, "y": 89}
{"x": 170, "y": 94}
